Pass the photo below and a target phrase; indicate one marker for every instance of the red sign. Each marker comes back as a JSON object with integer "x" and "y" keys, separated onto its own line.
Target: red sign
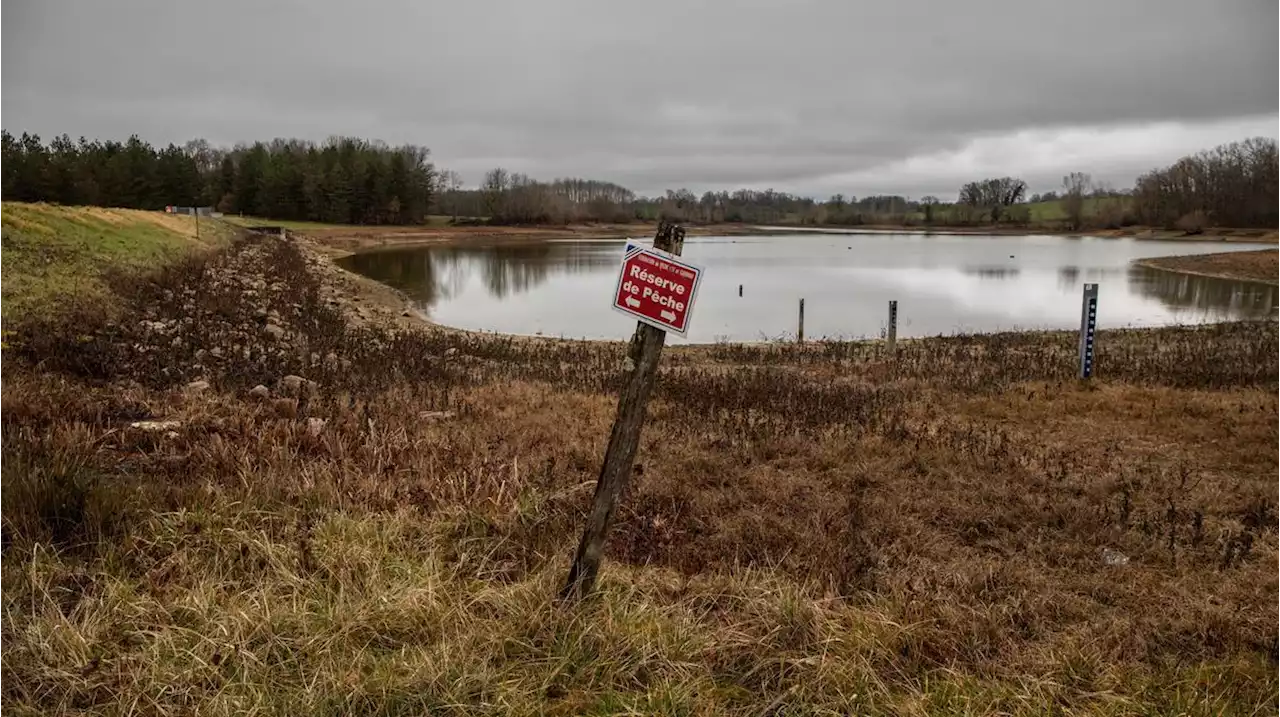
{"x": 657, "y": 288}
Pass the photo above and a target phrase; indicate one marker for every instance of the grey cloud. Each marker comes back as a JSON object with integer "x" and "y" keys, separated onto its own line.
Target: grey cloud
{"x": 665, "y": 93}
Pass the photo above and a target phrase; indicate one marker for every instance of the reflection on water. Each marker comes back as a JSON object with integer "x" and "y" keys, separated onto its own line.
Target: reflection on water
{"x": 943, "y": 284}
{"x": 1069, "y": 276}
{"x": 1205, "y": 296}
{"x": 992, "y": 272}
{"x": 435, "y": 274}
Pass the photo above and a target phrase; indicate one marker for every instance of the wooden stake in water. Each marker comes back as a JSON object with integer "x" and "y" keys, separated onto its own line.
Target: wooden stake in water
{"x": 1088, "y": 325}
{"x": 800, "y": 332}
{"x": 739, "y": 289}
{"x": 615, "y": 472}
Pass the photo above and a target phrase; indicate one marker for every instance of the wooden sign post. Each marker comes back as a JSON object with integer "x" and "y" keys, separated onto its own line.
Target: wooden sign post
{"x": 670, "y": 285}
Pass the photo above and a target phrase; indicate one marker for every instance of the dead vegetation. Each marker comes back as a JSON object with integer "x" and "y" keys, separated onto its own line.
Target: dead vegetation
{"x": 1261, "y": 266}
{"x": 962, "y": 529}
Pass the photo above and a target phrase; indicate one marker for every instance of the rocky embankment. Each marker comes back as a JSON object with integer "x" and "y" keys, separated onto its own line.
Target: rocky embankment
{"x": 270, "y": 317}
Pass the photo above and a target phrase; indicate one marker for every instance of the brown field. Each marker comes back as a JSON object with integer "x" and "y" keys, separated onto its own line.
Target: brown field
{"x": 1262, "y": 265}
{"x": 960, "y": 529}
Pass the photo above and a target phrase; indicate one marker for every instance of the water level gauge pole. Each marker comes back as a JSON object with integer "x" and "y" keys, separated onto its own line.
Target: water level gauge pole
{"x": 1088, "y": 326}
{"x": 891, "y": 336}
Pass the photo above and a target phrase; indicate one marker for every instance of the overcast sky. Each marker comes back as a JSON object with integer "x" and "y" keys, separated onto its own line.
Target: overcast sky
{"x": 807, "y": 96}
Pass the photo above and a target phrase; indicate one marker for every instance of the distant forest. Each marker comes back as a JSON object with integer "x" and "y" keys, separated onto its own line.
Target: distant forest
{"x": 347, "y": 181}
{"x": 353, "y": 181}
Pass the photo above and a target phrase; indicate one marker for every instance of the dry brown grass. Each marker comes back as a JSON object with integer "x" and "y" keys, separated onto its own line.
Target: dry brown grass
{"x": 1262, "y": 265}
{"x": 812, "y": 530}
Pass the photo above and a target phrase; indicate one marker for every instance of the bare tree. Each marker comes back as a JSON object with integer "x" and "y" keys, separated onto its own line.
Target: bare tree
{"x": 927, "y": 203}
{"x": 450, "y": 183}
{"x": 494, "y": 190}
{"x": 993, "y": 194}
{"x": 1075, "y": 187}
{"x": 1231, "y": 185}
{"x": 679, "y": 205}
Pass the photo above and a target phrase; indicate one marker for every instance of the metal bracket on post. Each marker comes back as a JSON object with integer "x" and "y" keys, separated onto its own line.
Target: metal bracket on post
{"x": 1088, "y": 326}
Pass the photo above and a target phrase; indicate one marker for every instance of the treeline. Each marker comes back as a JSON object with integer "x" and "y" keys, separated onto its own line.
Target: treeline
{"x": 772, "y": 207}
{"x": 118, "y": 174}
{"x": 513, "y": 198}
{"x": 744, "y": 205}
{"x": 1231, "y": 185}
{"x": 344, "y": 180}
{"x": 353, "y": 181}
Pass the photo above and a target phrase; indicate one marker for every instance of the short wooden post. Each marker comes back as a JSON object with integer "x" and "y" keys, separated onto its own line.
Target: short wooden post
{"x": 615, "y": 472}
{"x": 891, "y": 336}
{"x": 1088, "y": 325}
{"x": 739, "y": 289}
{"x": 800, "y": 332}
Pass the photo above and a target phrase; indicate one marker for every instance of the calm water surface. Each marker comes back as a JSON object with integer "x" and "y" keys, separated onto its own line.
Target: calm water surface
{"x": 943, "y": 284}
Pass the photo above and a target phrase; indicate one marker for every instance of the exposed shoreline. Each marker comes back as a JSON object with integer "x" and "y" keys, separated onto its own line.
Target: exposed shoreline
{"x": 1261, "y": 266}
{"x": 343, "y": 241}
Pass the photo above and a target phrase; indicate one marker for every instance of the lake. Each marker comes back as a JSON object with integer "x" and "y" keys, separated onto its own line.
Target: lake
{"x": 944, "y": 284}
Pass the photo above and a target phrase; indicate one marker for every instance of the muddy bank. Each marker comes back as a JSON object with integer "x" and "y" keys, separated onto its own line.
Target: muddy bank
{"x": 1262, "y": 266}
{"x": 342, "y": 241}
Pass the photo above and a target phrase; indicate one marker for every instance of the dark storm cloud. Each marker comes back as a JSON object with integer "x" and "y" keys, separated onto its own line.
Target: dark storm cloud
{"x": 815, "y": 96}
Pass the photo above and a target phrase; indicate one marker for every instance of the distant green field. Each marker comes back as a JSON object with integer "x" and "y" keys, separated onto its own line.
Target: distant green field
{"x": 1049, "y": 212}
{"x": 1037, "y": 213}
{"x": 1053, "y": 211}
{"x": 54, "y": 255}
{"x": 299, "y": 226}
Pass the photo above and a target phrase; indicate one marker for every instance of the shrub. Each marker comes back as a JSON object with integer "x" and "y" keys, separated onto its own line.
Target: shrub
{"x": 1193, "y": 222}
{"x": 1018, "y": 215}
{"x": 1114, "y": 215}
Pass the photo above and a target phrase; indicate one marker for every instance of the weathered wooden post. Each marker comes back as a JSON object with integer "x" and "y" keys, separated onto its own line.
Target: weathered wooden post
{"x": 800, "y": 332}
{"x": 668, "y": 307}
{"x": 1088, "y": 324}
{"x": 891, "y": 336}
{"x": 739, "y": 290}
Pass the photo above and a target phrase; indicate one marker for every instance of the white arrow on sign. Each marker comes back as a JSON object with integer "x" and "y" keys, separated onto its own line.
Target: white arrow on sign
{"x": 632, "y": 302}
{"x": 667, "y": 315}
